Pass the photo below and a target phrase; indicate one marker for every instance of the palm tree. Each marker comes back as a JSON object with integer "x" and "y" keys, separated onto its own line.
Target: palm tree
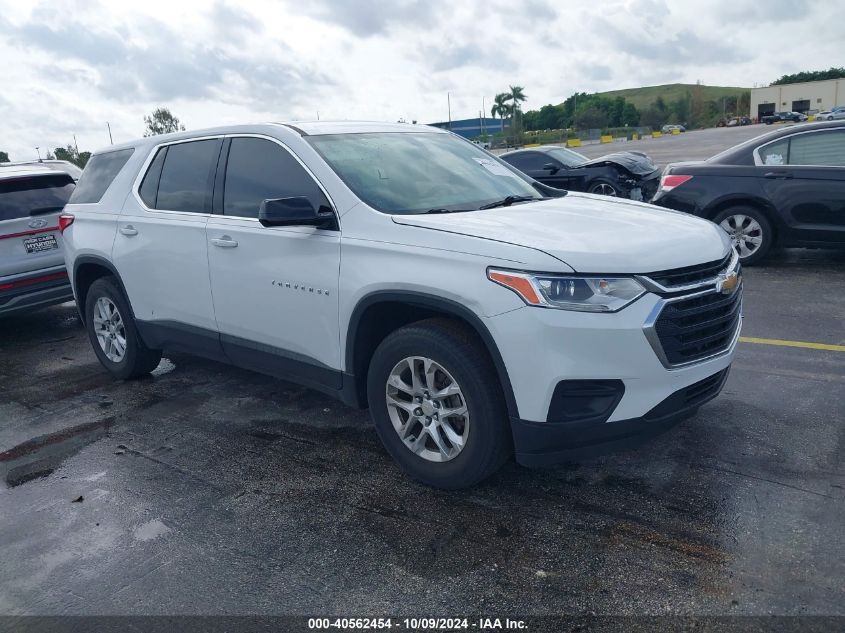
{"x": 501, "y": 108}
{"x": 516, "y": 96}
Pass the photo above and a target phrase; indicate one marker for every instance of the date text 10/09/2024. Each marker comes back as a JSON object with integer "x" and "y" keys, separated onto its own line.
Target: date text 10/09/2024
{"x": 416, "y": 624}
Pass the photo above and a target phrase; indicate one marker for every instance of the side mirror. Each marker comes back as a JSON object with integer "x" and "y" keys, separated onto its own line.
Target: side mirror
{"x": 295, "y": 211}
{"x": 551, "y": 167}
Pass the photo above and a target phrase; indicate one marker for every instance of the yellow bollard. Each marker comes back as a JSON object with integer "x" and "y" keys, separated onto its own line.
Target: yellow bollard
{"x": 606, "y": 138}
{"x": 573, "y": 142}
{"x": 635, "y": 137}
{"x": 675, "y": 131}
{"x": 656, "y": 134}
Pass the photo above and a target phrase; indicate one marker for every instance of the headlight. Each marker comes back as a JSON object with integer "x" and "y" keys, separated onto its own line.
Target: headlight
{"x": 569, "y": 292}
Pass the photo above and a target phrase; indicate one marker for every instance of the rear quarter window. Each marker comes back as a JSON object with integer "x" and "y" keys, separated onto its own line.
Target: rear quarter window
{"x": 98, "y": 175}
{"x": 34, "y": 195}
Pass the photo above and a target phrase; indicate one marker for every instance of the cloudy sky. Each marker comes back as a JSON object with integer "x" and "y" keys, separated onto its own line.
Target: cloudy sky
{"x": 68, "y": 66}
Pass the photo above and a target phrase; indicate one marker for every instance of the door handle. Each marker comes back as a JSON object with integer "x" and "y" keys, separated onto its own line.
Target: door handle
{"x": 224, "y": 242}
{"x": 128, "y": 230}
{"x": 777, "y": 175}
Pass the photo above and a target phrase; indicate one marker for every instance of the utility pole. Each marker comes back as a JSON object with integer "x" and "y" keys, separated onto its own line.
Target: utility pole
{"x": 75, "y": 146}
{"x": 449, "y": 107}
{"x": 37, "y": 151}
{"x": 111, "y": 140}
{"x": 483, "y": 113}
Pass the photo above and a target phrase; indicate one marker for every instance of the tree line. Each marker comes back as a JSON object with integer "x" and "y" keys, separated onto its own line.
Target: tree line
{"x": 592, "y": 111}
{"x": 811, "y": 75}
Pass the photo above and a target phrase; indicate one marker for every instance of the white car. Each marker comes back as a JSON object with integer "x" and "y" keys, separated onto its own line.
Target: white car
{"x": 402, "y": 268}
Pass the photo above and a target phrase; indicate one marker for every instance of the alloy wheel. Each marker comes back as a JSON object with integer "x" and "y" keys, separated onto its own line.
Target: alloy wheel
{"x": 604, "y": 189}
{"x": 745, "y": 232}
{"x": 109, "y": 329}
{"x": 427, "y": 408}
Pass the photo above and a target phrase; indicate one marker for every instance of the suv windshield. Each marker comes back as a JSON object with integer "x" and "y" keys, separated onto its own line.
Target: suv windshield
{"x": 417, "y": 172}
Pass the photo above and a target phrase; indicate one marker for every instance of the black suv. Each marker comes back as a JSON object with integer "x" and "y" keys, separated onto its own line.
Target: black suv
{"x": 786, "y": 187}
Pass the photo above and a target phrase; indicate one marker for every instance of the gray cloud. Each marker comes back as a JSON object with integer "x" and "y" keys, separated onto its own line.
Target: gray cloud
{"x": 166, "y": 66}
{"x": 373, "y": 17}
{"x": 452, "y": 56}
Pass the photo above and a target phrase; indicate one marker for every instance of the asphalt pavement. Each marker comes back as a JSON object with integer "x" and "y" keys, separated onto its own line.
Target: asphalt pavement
{"x": 205, "y": 489}
{"x": 692, "y": 145}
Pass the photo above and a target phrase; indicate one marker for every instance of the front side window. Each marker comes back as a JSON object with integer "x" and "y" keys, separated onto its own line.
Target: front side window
{"x": 529, "y": 161}
{"x": 259, "y": 170}
{"x": 568, "y": 157}
{"x": 34, "y": 195}
{"x": 98, "y": 175}
{"x": 818, "y": 148}
{"x": 415, "y": 172}
{"x": 187, "y": 176}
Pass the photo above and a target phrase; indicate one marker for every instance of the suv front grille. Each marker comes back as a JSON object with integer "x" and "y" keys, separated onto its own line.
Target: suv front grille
{"x": 701, "y": 326}
{"x": 690, "y": 274}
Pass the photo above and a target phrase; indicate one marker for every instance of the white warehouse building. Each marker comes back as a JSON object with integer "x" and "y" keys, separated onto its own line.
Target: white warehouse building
{"x": 809, "y": 96}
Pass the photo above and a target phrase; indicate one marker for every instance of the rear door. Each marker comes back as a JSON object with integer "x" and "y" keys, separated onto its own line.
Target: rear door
{"x": 29, "y": 209}
{"x": 160, "y": 247}
{"x": 275, "y": 288}
{"x": 804, "y": 177}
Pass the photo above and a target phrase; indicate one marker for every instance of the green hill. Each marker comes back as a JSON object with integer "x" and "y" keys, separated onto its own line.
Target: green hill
{"x": 643, "y": 97}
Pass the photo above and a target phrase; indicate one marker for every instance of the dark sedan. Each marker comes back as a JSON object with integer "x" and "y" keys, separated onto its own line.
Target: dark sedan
{"x": 785, "y": 188}
{"x": 623, "y": 174}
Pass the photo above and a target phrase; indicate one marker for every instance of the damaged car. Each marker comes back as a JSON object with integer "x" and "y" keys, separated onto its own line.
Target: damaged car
{"x": 622, "y": 174}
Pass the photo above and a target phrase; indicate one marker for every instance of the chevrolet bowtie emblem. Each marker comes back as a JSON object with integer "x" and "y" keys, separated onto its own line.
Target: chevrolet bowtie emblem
{"x": 726, "y": 284}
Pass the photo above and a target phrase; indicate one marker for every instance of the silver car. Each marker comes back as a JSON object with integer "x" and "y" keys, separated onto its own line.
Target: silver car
{"x": 32, "y": 266}
{"x": 832, "y": 114}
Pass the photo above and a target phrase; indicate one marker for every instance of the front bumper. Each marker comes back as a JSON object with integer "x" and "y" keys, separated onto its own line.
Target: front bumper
{"x": 541, "y": 444}
{"x": 542, "y": 348}
{"x": 34, "y": 290}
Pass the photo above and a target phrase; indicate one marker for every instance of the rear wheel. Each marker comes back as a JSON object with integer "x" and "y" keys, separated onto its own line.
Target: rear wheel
{"x": 114, "y": 337}
{"x": 749, "y": 230}
{"x": 437, "y": 404}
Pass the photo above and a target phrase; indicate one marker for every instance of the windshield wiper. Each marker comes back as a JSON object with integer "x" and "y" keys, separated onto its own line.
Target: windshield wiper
{"x": 447, "y": 211}
{"x": 506, "y": 202}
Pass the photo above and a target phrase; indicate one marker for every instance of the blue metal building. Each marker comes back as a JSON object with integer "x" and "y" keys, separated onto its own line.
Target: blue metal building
{"x": 471, "y": 128}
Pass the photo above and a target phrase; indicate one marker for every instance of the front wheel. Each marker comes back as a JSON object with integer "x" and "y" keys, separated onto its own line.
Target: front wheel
{"x": 437, "y": 404}
{"x": 749, "y": 230}
{"x": 112, "y": 332}
{"x": 603, "y": 188}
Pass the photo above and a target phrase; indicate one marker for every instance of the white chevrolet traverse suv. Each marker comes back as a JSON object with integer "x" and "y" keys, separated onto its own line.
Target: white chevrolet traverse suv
{"x": 477, "y": 313}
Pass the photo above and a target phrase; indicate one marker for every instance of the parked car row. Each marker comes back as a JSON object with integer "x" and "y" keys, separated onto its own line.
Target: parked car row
{"x": 407, "y": 270}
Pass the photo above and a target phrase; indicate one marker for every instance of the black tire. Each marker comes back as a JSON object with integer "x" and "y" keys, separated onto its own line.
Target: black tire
{"x": 596, "y": 185}
{"x": 138, "y": 359}
{"x": 460, "y": 352}
{"x": 765, "y": 228}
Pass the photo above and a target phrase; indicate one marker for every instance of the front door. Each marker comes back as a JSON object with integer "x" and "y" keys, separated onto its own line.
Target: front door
{"x": 275, "y": 289}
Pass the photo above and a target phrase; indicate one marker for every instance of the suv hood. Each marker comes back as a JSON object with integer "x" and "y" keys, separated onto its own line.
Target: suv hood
{"x": 591, "y": 234}
{"x": 636, "y": 162}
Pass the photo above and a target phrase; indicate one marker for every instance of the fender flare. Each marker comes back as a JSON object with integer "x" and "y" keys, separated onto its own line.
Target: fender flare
{"x": 439, "y": 304}
{"x": 103, "y": 263}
